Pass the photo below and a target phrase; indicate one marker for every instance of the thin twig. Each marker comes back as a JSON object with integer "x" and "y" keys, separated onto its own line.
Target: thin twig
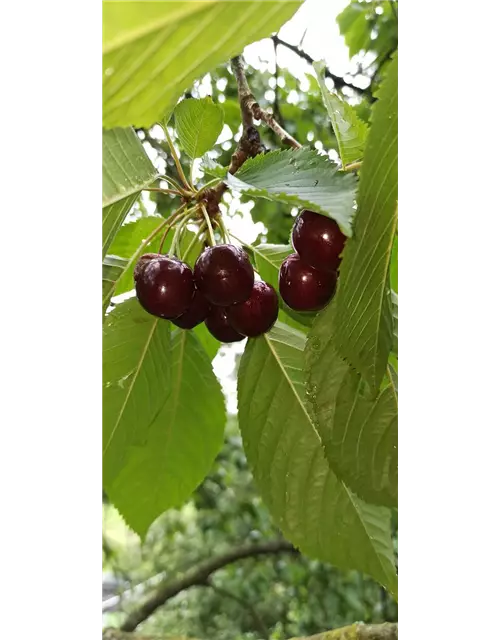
{"x": 209, "y": 225}
{"x": 178, "y": 165}
{"x": 250, "y": 108}
{"x": 338, "y": 80}
{"x": 198, "y": 575}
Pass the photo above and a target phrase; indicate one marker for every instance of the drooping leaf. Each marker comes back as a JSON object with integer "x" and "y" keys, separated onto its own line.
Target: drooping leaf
{"x": 394, "y": 299}
{"x": 112, "y": 268}
{"x": 300, "y": 178}
{"x": 129, "y": 239}
{"x": 349, "y": 130}
{"x": 126, "y": 170}
{"x": 198, "y": 124}
{"x": 158, "y": 443}
{"x": 363, "y": 314}
{"x": 358, "y": 432}
{"x": 314, "y": 509}
{"x": 153, "y": 51}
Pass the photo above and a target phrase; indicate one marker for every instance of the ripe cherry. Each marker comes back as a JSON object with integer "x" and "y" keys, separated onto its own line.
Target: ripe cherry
{"x": 303, "y": 287}
{"x": 196, "y": 313}
{"x": 224, "y": 275}
{"x": 217, "y": 323}
{"x": 318, "y": 240}
{"x": 164, "y": 286}
{"x": 256, "y": 315}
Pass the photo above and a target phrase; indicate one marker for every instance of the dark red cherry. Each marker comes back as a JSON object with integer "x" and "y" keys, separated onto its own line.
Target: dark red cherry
{"x": 256, "y": 315}
{"x": 224, "y": 275}
{"x": 318, "y": 240}
{"x": 196, "y": 313}
{"x": 142, "y": 262}
{"x": 217, "y": 323}
{"x": 164, "y": 286}
{"x": 303, "y": 287}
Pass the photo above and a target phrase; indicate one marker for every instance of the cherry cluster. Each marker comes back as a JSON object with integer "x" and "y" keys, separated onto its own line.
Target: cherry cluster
{"x": 221, "y": 291}
{"x": 308, "y": 278}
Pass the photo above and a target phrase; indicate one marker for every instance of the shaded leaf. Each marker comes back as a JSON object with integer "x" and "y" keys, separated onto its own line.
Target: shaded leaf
{"x": 314, "y": 509}
{"x": 349, "y": 130}
{"x": 394, "y": 264}
{"x": 300, "y": 178}
{"x": 363, "y": 314}
{"x": 358, "y": 432}
{"x": 198, "y": 124}
{"x": 153, "y": 51}
{"x": 126, "y": 170}
{"x": 158, "y": 444}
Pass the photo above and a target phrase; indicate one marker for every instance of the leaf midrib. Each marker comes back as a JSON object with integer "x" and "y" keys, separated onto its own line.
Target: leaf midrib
{"x": 153, "y": 27}
{"x": 353, "y": 502}
{"x": 132, "y": 383}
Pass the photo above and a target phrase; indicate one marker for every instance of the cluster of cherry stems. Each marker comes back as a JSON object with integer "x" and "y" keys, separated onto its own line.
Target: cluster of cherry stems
{"x": 222, "y": 291}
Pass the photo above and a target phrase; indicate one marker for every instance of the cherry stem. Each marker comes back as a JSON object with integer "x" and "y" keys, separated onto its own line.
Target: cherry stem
{"x": 171, "y": 181}
{"x": 173, "y": 218}
{"x": 180, "y": 170}
{"x": 209, "y": 225}
{"x": 245, "y": 244}
{"x": 171, "y": 191}
{"x": 223, "y": 228}
{"x": 353, "y": 167}
{"x": 210, "y": 183}
{"x": 194, "y": 239}
{"x": 176, "y": 239}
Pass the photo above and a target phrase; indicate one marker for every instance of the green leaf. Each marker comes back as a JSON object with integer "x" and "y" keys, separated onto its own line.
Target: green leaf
{"x": 129, "y": 239}
{"x": 207, "y": 341}
{"x": 358, "y": 432}
{"x": 213, "y": 168}
{"x": 363, "y": 315}
{"x": 268, "y": 260}
{"x": 158, "y": 444}
{"x": 198, "y": 124}
{"x": 126, "y": 170}
{"x": 394, "y": 298}
{"x": 300, "y": 177}
{"x": 112, "y": 268}
{"x": 349, "y": 130}
{"x": 153, "y": 51}
{"x": 314, "y": 509}
{"x": 394, "y": 264}
{"x": 355, "y": 27}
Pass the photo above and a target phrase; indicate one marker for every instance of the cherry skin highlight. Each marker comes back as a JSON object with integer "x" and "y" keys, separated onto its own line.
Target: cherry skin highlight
{"x": 196, "y": 313}
{"x": 218, "y": 324}
{"x": 318, "y": 240}
{"x": 257, "y": 315}
{"x": 164, "y": 286}
{"x": 224, "y": 275}
{"x": 303, "y": 287}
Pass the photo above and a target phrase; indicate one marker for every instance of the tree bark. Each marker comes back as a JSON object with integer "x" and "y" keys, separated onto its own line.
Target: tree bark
{"x": 199, "y": 575}
{"x": 358, "y": 631}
